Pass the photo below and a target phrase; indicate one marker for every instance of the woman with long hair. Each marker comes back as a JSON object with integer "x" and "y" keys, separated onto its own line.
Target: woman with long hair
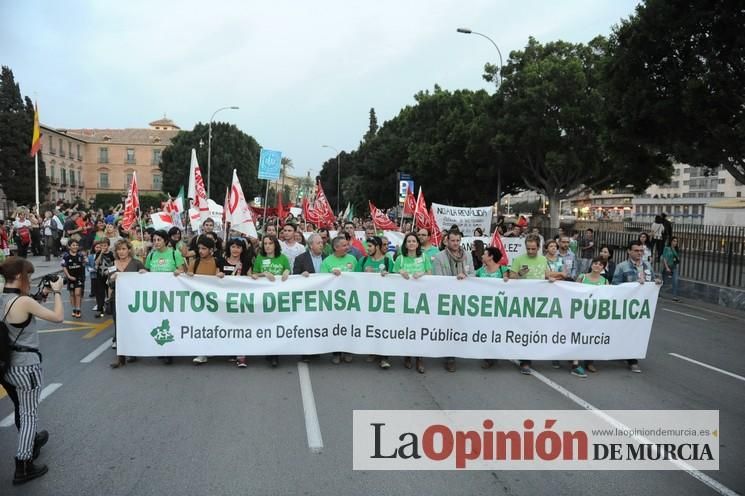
{"x": 124, "y": 261}
{"x": 647, "y": 244}
{"x": 23, "y": 379}
{"x": 411, "y": 263}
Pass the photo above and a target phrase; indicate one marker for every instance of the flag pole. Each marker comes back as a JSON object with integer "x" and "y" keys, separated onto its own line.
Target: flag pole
{"x": 266, "y": 200}
{"x": 36, "y": 179}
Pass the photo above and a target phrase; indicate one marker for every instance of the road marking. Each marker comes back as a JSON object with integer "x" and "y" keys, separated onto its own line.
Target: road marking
{"x": 706, "y": 365}
{"x": 701, "y": 309}
{"x": 97, "y": 352}
{"x": 683, "y": 313}
{"x": 10, "y": 419}
{"x": 696, "y": 474}
{"x": 312, "y": 427}
{"x": 94, "y": 328}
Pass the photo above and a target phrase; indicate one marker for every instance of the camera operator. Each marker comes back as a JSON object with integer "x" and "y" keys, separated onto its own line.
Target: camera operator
{"x": 23, "y": 378}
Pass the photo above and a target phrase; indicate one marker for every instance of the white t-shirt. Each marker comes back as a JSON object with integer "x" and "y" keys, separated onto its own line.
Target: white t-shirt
{"x": 292, "y": 252}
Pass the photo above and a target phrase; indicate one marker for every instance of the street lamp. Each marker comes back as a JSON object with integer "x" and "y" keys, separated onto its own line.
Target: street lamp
{"x": 499, "y": 70}
{"x": 499, "y": 73}
{"x": 209, "y": 146}
{"x": 338, "y": 177}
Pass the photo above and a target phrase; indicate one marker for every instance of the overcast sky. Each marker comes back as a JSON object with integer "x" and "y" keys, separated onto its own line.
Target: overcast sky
{"x": 304, "y": 74}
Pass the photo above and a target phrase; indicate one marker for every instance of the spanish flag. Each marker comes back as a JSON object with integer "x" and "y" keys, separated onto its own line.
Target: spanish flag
{"x": 36, "y": 139}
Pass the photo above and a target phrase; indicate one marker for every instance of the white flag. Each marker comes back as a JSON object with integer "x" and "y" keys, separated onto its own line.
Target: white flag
{"x": 196, "y": 188}
{"x": 162, "y": 220}
{"x": 238, "y": 213}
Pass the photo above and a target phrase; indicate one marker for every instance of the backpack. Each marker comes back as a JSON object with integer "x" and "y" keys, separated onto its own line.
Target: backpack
{"x": 6, "y": 345}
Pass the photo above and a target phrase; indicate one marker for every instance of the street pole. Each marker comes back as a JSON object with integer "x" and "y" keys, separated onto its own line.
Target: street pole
{"x": 338, "y": 178}
{"x": 499, "y": 75}
{"x": 209, "y": 146}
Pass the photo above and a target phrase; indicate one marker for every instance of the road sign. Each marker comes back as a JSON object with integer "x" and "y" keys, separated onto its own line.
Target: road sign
{"x": 270, "y": 162}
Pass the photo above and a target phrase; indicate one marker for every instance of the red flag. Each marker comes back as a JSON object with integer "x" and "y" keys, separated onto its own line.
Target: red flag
{"x": 496, "y": 241}
{"x": 36, "y": 136}
{"x": 308, "y": 213}
{"x": 281, "y": 212}
{"x": 380, "y": 220}
{"x": 322, "y": 208}
{"x": 436, "y": 233}
{"x": 421, "y": 216}
{"x": 132, "y": 205}
{"x": 409, "y": 203}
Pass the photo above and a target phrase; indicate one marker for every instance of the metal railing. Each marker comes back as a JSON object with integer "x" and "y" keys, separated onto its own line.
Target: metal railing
{"x": 711, "y": 254}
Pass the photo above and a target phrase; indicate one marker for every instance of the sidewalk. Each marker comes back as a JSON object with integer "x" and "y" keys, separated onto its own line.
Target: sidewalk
{"x": 43, "y": 268}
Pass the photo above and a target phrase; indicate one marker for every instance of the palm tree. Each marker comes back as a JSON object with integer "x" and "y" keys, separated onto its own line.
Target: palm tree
{"x": 286, "y": 163}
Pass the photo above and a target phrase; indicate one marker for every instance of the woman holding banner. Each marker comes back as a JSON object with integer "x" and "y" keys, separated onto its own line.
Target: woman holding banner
{"x": 412, "y": 264}
{"x": 123, "y": 262}
{"x": 271, "y": 262}
{"x": 490, "y": 268}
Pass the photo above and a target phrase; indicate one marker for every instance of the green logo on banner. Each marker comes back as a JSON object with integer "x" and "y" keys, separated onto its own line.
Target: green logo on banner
{"x": 162, "y": 334}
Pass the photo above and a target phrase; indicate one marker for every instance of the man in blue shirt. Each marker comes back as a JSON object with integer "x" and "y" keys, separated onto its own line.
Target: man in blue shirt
{"x": 635, "y": 269}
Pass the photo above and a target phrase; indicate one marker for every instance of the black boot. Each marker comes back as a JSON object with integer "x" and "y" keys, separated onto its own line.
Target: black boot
{"x": 26, "y": 471}
{"x": 40, "y": 440}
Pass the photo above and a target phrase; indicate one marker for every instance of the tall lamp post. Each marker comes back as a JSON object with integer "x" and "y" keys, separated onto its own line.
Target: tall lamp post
{"x": 338, "y": 177}
{"x": 209, "y": 146}
{"x": 499, "y": 74}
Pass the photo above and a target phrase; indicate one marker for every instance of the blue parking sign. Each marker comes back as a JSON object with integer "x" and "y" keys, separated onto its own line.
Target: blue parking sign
{"x": 270, "y": 162}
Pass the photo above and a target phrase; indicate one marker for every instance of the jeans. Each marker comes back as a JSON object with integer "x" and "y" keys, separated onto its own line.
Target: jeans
{"x": 674, "y": 276}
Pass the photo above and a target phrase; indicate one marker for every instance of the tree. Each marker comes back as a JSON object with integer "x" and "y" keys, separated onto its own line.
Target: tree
{"x": 16, "y": 129}
{"x": 231, "y": 149}
{"x": 372, "y": 128}
{"x": 552, "y": 122}
{"x": 285, "y": 163}
{"x": 676, "y": 77}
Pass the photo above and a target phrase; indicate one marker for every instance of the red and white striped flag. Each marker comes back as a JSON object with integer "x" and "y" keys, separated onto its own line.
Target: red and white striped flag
{"x": 380, "y": 220}
{"x": 131, "y": 205}
{"x": 496, "y": 241}
{"x": 196, "y": 184}
{"x": 436, "y": 238}
{"x": 421, "y": 215}
{"x": 409, "y": 203}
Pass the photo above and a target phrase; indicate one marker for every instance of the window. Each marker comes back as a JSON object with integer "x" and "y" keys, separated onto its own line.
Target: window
{"x": 721, "y": 181}
{"x": 156, "y": 156}
{"x": 130, "y": 175}
{"x": 130, "y": 155}
{"x": 739, "y": 194}
{"x": 80, "y": 156}
{"x": 51, "y": 146}
{"x": 103, "y": 155}
{"x": 157, "y": 183}
{"x": 61, "y": 150}
{"x": 69, "y": 149}
{"x": 72, "y": 178}
{"x": 63, "y": 177}
{"x": 51, "y": 174}
{"x": 80, "y": 180}
{"x": 103, "y": 180}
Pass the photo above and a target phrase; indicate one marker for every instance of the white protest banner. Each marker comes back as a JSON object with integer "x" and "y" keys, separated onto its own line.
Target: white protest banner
{"x": 466, "y": 218}
{"x": 369, "y": 314}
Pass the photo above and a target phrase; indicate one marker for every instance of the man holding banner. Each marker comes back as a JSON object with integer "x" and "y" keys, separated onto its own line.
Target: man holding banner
{"x": 453, "y": 261}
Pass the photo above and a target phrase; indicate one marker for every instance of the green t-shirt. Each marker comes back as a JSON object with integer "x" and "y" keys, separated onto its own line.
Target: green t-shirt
{"x": 165, "y": 261}
{"x": 600, "y": 282}
{"x": 536, "y": 266}
{"x": 327, "y": 250}
{"x": 412, "y": 265}
{"x": 276, "y": 266}
{"x": 501, "y": 271}
{"x": 347, "y": 263}
{"x": 377, "y": 265}
{"x": 431, "y": 252}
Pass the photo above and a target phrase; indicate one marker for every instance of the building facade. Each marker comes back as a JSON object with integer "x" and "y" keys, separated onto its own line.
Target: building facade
{"x": 84, "y": 162}
{"x": 686, "y": 196}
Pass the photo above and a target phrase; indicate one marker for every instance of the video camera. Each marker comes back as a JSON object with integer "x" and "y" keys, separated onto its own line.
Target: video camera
{"x": 45, "y": 282}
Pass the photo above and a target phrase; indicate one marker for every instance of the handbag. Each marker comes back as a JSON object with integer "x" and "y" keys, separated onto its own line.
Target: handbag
{"x": 64, "y": 240}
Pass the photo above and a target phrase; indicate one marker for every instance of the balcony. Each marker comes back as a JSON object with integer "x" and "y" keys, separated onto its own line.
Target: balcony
{"x": 53, "y": 181}
{"x": 104, "y": 185}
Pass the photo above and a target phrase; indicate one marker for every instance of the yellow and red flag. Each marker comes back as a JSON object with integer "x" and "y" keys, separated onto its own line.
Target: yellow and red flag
{"x": 36, "y": 138}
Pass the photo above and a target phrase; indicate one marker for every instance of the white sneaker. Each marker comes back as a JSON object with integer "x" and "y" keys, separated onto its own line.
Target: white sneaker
{"x": 113, "y": 345}
{"x": 200, "y": 359}
{"x": 95, "y": 308}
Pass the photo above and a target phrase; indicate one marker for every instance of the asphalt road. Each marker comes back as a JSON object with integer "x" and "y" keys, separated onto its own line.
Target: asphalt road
{"x": 151, "y": 429}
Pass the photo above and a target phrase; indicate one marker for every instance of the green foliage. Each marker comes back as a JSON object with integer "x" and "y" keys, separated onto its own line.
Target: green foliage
{"x": 551, "y": 122}
{"x": 676, "y": 80}
{"x": 231, "y": 149}
{"x": 16, "y": 129}
{"x": 443, "y": 141}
